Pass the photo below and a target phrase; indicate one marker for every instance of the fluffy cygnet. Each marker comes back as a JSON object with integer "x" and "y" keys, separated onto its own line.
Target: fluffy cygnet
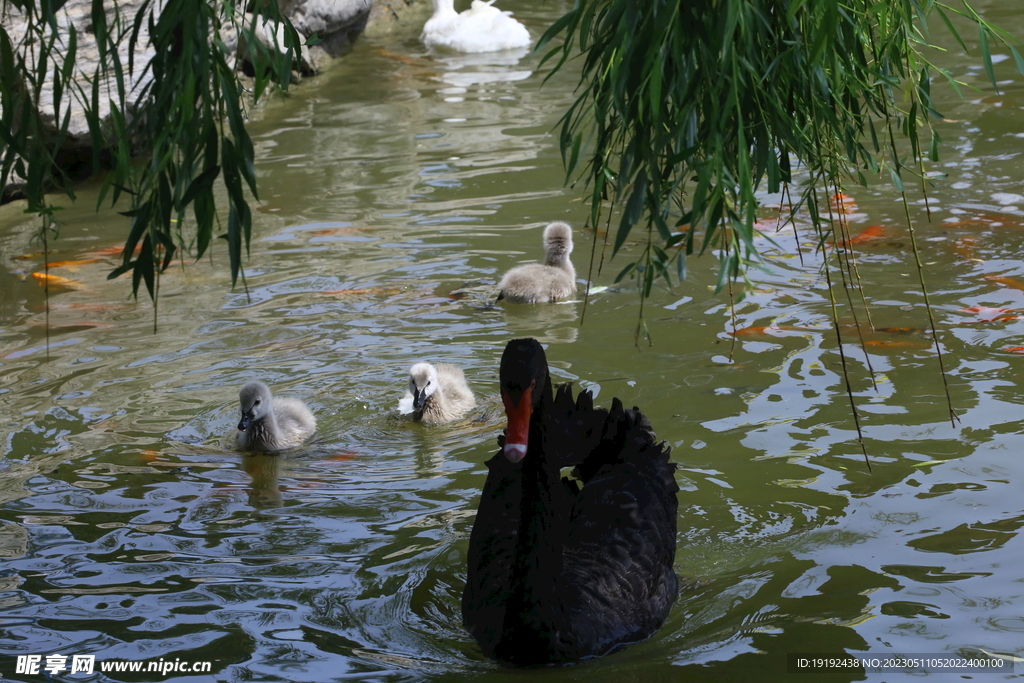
{"x": 269, "y": 423}
{"x": 481, "y": 28}
{"x": 437, "y": 393}
{"x": 554, "y": 280}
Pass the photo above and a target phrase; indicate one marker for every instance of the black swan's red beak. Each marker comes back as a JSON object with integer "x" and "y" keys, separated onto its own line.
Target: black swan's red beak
{"x": 518, "y": 431}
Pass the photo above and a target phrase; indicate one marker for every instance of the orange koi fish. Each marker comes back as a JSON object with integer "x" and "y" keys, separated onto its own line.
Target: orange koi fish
{"x": 965, "y": 247}
{"x": 987, "y": 218}
{"x": 900, "y": 330}
{"x": 1006, "y": 281}
{"x": 404, "y": 59}
{"x": 112, "y": 251}
{"x": 986, "y": 310}
{"x": 80, "y": 326}
{"x": 991, "y": 315}
{"x": 149, "y": 455}
{"x": 56, "y": 281}
{"x": 107, "y": 251}
{"x": 872, "y": 232}
{"x": 343, "y": 456}
{"x": 71, "y": 264}
{"x": 842, "y": 203}
{"x": 997, "y": 319}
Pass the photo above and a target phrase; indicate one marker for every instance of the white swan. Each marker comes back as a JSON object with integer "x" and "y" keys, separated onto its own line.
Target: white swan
{"x": 481, "y": 28}
{"x": 269, "y": 423}
{"x": 553, "y": 280}
{"x": 437, "y": 393}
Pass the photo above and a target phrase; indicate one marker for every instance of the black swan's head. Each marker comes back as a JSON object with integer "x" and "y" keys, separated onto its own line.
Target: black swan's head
{"x": 255, "y": 401}
{"x": 523, "y": 376}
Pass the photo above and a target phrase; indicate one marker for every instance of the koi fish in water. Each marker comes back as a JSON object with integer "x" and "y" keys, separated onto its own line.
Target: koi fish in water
{"x": 985, "y": 310}
{"x": 868, "y": 234}
{"x": 1006, "y": 281}
{"x": 80, "y": 326}
{"x": 72, "y": 264}
{"x": 404, "y": 59}
{"x": 991, "y": 219}
{"x": 966, "y": 248}
{"x": 991, "y": 315}
{"x": 343, "y": 456}
{"x": 900, "y": 330}
{"x": 842, "y": 203}
{"x": 112, "y": 251}
{"x": 891, "y": 344}
{"x": 56, "y": 282}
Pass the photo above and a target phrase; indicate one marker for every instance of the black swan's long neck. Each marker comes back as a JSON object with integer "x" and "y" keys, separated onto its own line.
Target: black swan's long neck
{"x": 538, "y": 555}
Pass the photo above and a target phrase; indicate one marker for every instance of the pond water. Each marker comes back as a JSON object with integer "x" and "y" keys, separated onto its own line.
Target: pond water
{"x": 396, "y": 188}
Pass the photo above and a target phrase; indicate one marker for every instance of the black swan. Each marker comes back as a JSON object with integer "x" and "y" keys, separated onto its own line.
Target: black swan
{"x": 557, "y": 572}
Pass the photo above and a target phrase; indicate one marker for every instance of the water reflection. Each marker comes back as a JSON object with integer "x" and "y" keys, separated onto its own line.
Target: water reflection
{"x": 467, "y": 70}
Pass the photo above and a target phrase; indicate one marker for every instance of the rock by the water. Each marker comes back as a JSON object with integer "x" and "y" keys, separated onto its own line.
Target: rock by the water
{"x": 336, "y": 23}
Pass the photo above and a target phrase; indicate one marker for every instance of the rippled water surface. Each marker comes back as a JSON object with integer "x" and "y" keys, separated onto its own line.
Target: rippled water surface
{"x": 396, "y": 188}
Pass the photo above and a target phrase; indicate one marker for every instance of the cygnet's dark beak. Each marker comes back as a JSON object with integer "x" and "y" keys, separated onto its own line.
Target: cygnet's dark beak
{"x": 419, "y": 398}
{"x": 244, "y": 422}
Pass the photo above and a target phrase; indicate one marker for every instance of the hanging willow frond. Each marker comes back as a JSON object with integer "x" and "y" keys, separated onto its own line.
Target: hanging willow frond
{"x": 687, "y": 109}
{"x": 182, "y": 108}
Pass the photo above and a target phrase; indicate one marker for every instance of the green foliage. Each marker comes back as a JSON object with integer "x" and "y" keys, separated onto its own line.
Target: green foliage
{"x": 187, "y": 121}
{"x": 687, "y": 109}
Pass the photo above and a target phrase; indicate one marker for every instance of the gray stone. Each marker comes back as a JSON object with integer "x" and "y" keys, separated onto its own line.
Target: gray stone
{"x": 326, "y": 17}
{"x": 336, "y": 23}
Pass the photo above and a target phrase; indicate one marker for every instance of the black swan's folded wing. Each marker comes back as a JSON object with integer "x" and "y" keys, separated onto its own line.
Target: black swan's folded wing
{"x": 622, "y": 534}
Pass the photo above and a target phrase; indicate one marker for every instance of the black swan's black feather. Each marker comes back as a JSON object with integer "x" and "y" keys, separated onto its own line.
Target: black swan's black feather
{"x": 557, "y": 572}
